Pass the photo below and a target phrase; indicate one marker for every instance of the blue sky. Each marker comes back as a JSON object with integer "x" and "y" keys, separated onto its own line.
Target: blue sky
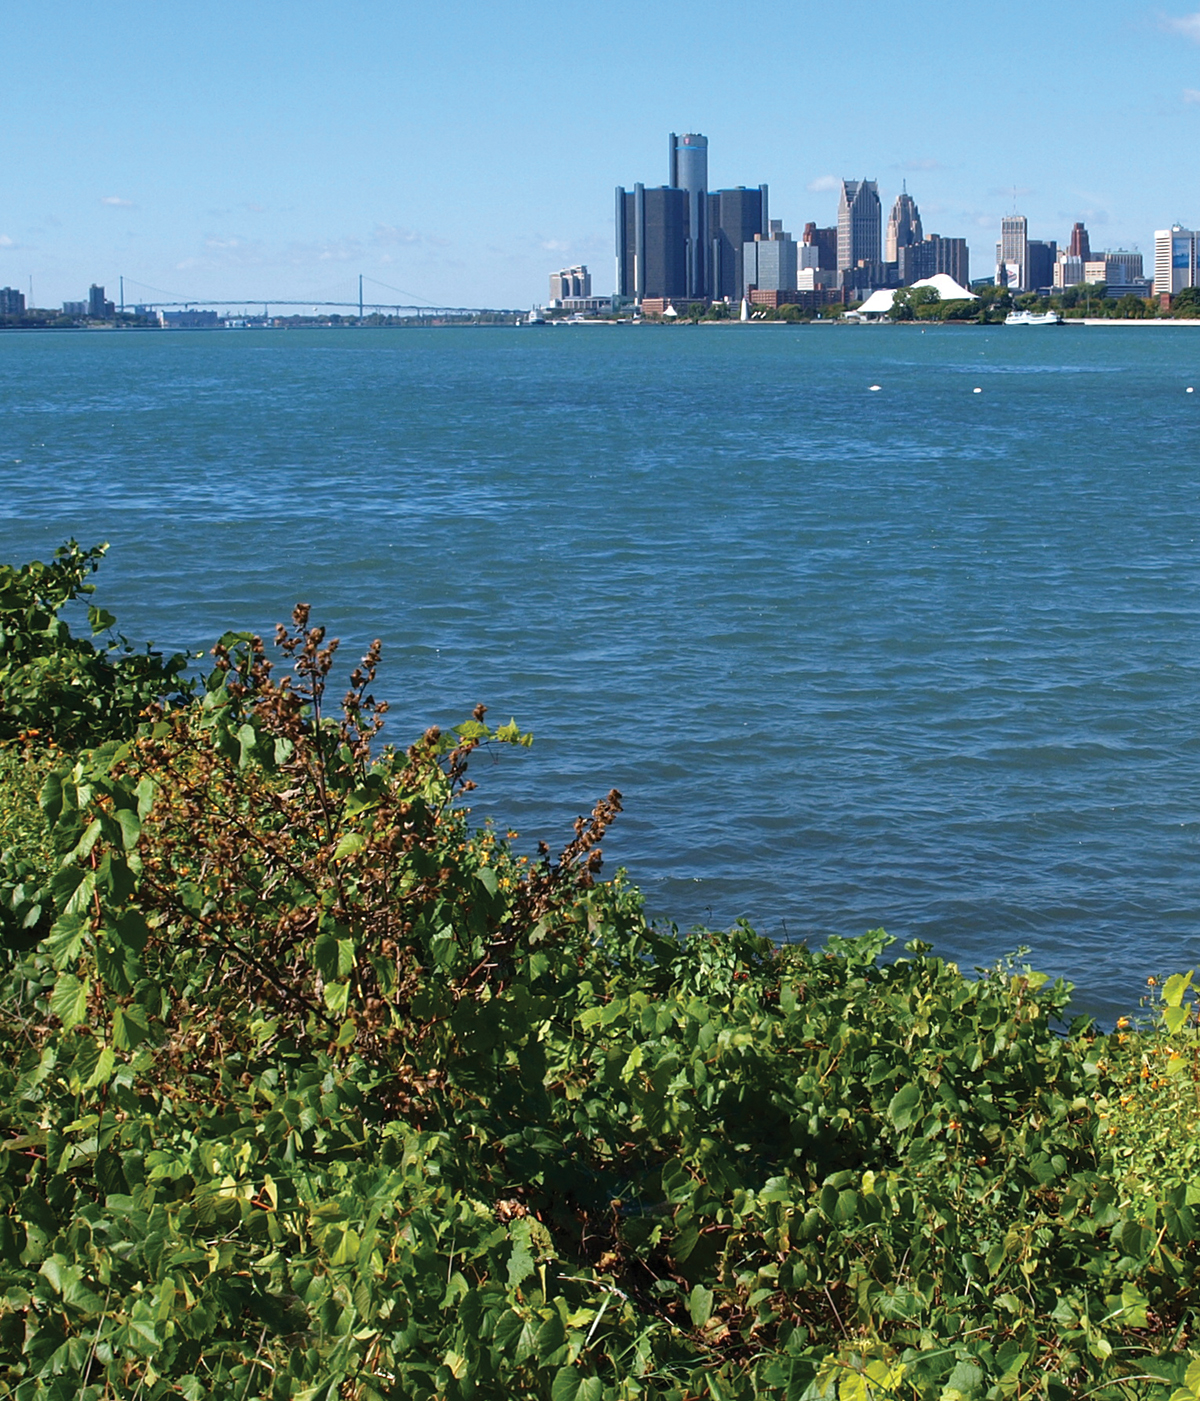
{"x": 460, "y": 152}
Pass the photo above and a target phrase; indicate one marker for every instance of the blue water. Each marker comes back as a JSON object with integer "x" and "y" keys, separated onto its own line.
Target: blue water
{"x": 917, "y": 657}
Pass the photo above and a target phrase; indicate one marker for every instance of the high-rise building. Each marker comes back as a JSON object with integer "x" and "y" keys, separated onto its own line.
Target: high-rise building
{"x": 652, "y": 227}
{"x": 932, "y": 255}
{"x": 96, "y": 303}
{"x": 1012, "y": 253}
{"x": 12, "y": 302}
{"x": 860, "y": 224}
{"x": 823, "y": 244}
{"x": 1175, "y": 260}
{"x": 689, "y": 172}
{"x": 734, "y": 217}
{"x": 1080, "y": 243}
{"x": 570, "y": 282}
{"x": 1040, "y": 260}
{"x": 904, "y": 225}
{"x": 769, "y": 264}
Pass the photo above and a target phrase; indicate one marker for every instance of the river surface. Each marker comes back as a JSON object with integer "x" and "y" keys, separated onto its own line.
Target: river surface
{"x": 922, "y": 656}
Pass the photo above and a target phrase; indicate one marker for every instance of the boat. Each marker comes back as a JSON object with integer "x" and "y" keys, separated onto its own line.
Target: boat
{"x": 1033, "y": 318}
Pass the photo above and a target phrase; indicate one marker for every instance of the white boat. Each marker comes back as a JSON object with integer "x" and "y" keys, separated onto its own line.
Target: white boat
{"x": 1033, "y": 318}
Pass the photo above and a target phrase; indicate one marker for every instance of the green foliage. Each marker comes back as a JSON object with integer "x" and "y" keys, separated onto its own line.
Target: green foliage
{"x": 307, "y": 1089}
{"x": 68, "y": 689}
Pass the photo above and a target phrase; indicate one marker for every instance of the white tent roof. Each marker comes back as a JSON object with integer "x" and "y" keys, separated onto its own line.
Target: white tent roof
{"x": 878, "y": 303}
{"x": 947, "y": 288}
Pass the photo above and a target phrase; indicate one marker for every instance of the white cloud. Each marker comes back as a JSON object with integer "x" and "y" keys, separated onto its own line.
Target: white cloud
{"x": 390, "y": 235}
{"x": 1187, "y": 25}
{"x": 823, "y": 183}
{"x": 6, "y": 242}
{"x": 1191, "y": 94}
{"x": 117, "y": 202}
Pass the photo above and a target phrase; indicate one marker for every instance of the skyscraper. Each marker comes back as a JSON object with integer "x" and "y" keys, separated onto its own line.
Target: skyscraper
{"x": 860, "y": 224}
{"x": 1175, "y": 260}
{"x": 652, "y": 226}
{"x": 1040, "y": 260}
{"x": 1080, "y": 243}
{"x": 1012, "y": 253}
{"x": 689, "y": 172}
{"x": 904, "y": 225}
{"x": 734, "y": 217}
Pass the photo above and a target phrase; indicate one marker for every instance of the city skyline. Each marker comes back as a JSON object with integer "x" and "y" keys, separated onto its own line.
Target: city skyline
{"x": 279, "y": 151}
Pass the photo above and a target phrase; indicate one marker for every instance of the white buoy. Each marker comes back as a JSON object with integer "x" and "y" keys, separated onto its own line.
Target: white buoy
{"x": 875, "y": 388}
{"x": 1190, "y": 390}
{"x": 976, "y": 391}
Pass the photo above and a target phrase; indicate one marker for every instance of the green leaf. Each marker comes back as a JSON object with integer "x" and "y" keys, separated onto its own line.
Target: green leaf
{"x": 487, "y": 878}
{"x": 130, "y": 1027}
{"x": 700, "y": 1304}
{"x": 68, "y": 1001}
{"x": 337, "y": 997}
{"x": 520, "y": 1262}
{"x": 349, "y": 845}
{"x": 902, "y": 1109}
{"x": 1176, "y": 1017}
{"x": 1175, "y": 987}
{"x": 105, "y": 1065}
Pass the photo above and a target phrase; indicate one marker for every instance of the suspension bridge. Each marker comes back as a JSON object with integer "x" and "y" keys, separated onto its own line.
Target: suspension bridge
{"x": 162, "y": 300}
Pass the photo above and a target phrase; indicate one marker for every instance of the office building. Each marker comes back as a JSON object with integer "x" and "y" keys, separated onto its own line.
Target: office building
{"x": 689, "y": 172}
{"x": 769, "y": 264}
{"x": 97, "y": 307}
{"x": 1040, "y": 260}
{"x": 819, "y": 248}
{"x": 1120, "y": 272}
{"x": 1012, "y": 254}
{"x": 919, "y": 261}
{"x": 734, "y": 218}
{"x": 12, "y": 302}
{"x": 1175, "y": 258}
{"x": 1069, "y": 268}
{"x": 904, "y": 226}
{"x": 1080, "y": 244}
{"x": 570, "y": 282}
{"x": 860, "y": 224}
{"x": 652, "y": 229}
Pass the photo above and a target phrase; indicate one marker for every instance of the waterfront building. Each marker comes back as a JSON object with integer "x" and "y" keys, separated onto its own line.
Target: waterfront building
{"x": 1175, "y": 259}
{"x": 904, "y": 226}
{"x": 769, "y": 263}
{"x": 652, "y": 242}
{"x": 689, "y": 172}
{"x": 860, "y": 225}
{"x": 12, "y": 302}
{"x": 1080, "y": 244}
{"x": 734, "y": 218}
{"x": 1012, "y": 254}
{"x": 570, "y": 282}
